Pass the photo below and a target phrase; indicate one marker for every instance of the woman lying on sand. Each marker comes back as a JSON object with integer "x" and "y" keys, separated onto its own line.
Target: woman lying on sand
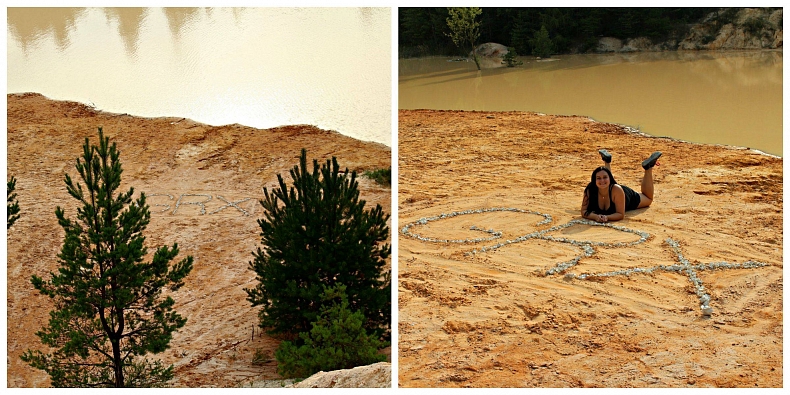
{"x": 613, "y": 200}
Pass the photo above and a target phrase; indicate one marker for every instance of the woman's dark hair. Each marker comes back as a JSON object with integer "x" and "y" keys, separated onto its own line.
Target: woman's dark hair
{"x": 591, "y": 191}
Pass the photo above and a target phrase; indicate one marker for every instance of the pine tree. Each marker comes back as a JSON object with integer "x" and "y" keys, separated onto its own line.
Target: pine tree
{"x": 12, "y": 206}
{"x": 511, "y": 58}
{"x": 109, "y": 307}
{"x": 316, "y": 235}
{"x": 337, "y": 340}
{"x": 541, "y": 43}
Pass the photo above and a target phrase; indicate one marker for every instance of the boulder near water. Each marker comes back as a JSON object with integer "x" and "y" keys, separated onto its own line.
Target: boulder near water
{"x": 746, "y": 28}
{"x": 491, "y": 50}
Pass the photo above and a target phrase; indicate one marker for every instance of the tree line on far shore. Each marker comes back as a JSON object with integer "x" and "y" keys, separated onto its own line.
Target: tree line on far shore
{"x": 424, "y": 31}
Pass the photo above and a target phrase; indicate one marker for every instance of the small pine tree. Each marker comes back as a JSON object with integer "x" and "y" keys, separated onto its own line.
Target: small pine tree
{"x": 542, "y": 46}
{"x": 337, "y": 340}
{"x": 109, "y": 309}
{"x": 511, "y": 58}
{"x": 316, "y": 235}
{"x": 12, "y": 206}
{"x": 381, "y": 176}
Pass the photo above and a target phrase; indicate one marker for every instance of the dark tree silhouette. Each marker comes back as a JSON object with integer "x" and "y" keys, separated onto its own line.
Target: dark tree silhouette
{"x": 316, "y": 235}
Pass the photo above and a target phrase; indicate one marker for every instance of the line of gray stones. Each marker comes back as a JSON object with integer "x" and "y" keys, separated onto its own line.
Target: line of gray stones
{"x": 201, "y": 204}
{"x": 685, "y": 267}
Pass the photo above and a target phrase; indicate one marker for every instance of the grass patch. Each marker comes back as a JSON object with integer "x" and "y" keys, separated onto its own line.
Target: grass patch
{"x": 381, "y": 176}
{"x": 260, "y": 358}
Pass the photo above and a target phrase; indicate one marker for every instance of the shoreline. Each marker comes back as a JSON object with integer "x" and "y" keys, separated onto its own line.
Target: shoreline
{"x": 635, "y": 89}
{"x": 623, "y": 53}
{"x": 626, "y": 128}
{"x": 180, "y": 119}
{"x": 638, "y": 132}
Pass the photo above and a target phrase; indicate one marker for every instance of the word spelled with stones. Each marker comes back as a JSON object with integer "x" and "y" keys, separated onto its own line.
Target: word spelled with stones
{"x": 201, "y": 203}
{"x": 587, "y": 248}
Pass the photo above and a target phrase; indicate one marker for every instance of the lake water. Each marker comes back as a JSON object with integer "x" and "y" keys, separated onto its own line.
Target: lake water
{"x": 261, "y": 67}
{"x": 732, "y": 98}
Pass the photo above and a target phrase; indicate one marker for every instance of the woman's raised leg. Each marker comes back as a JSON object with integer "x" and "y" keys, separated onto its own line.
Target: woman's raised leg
{"x": 647, "y": 184}
{"x": 646, "y": 197}
{"x": 606, "y": 157}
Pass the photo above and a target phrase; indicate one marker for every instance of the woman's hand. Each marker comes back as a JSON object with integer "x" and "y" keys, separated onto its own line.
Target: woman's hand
{"x": 602, "y": 218}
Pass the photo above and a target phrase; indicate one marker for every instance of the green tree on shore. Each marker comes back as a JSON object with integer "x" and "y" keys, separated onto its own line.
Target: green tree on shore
{"x": 109, "y": 307}
{"x": 542, "y": 46}
{"x": 422, "y": 30}
{"x": 337, "y": 340}
{"x": 464, "y": 28}
{"x": 318, "y": 234}
{"x": 511, "y": 58}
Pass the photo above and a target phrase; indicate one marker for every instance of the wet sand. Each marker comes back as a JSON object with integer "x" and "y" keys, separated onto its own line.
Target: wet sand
{"x": 519, "y": 315}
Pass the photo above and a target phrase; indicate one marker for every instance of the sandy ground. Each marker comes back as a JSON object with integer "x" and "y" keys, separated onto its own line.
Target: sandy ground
{"x": 170, "y": 157}
{"x": 496, "y": 319}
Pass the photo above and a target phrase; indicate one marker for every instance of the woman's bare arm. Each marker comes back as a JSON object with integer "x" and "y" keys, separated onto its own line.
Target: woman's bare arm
{"x": 618, "y": 196}
{"x": 585, "y": 202}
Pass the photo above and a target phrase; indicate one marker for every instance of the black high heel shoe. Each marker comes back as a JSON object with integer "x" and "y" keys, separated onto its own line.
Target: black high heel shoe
{"x": 648, "y": 163}
{"x": 605, "y": 155}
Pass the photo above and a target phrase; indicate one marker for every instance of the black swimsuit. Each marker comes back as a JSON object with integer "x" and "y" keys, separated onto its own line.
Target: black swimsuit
{"x": 632, "y": 199}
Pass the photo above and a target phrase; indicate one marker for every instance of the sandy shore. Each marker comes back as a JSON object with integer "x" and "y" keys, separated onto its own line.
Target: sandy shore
{"x": 495, "y": 318}
{"x": 169, "y": 159}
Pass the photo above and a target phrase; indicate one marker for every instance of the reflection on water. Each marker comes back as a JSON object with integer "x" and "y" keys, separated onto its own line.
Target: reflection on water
{"x": 262, "y": 67}
{"x": 128, "y": 21}
{"x": 732, "y": 98}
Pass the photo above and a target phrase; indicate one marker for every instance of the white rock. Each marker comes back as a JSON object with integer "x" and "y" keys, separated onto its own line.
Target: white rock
{"x": 378, "y": 375}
